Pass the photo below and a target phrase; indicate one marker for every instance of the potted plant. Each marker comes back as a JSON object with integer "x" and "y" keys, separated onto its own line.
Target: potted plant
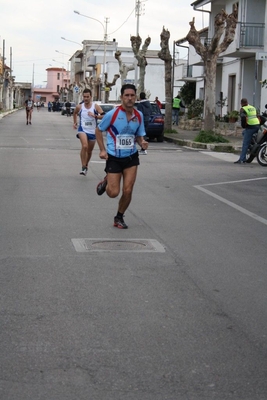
{"x": 233, "y": 116}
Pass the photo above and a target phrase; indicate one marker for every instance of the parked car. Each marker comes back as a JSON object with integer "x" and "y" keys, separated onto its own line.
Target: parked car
{"x": 155, "y": 128}
{"x": 106, "y": 107}
{"x": 72, "y": 108}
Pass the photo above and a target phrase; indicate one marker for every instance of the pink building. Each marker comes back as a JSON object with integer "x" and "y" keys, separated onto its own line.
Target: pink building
{"x": 57, "y": 78}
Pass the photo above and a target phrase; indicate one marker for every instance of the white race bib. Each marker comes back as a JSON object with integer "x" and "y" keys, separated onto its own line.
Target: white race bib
{"x": 87, "y": 124}
{"x": 125, "y": 142}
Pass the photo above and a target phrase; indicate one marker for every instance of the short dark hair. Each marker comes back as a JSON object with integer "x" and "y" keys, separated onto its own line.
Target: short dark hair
{"x": 127, "y": 86}
{"x": 244, "y": 102}
{"x": 87, "y": 91}
{"x": 142, "y": 95}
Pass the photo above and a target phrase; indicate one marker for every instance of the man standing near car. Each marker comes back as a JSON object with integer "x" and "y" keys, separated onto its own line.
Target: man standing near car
{"x": 177, "y": 103}
{"x": 68, "y": 106}
{"x": 124, "y": 126}
{"x": 251, "y": 125}
{"x": 145, "y": 107}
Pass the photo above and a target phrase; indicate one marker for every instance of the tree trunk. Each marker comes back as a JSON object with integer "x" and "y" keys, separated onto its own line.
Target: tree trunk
{"x": 109, "y": 85}
{"x": 223, "y": 24}
{"x": 123, "y": 68}
{"x": 165, "y": 55}
{"x": 210, "y": 90}
{"x": 140, "y": 56}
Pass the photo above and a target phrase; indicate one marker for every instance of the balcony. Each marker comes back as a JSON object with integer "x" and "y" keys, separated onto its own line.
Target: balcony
{"x": 251, "y": 35}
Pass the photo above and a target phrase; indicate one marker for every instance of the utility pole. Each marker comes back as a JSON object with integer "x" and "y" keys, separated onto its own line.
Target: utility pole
{"x": 138, "y": 12}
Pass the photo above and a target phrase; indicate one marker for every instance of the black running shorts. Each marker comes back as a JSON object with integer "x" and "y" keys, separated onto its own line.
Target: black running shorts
{"x": 116, "y": 165}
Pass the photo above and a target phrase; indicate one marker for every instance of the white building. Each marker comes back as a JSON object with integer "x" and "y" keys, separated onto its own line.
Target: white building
{"x": 89, "y": 61}
{"x": 243, "y": 66}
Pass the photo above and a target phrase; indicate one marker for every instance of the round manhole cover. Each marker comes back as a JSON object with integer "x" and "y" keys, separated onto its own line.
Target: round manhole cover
{"x": 118, "y": 245}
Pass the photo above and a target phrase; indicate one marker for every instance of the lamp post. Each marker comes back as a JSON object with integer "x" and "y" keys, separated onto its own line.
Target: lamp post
{"x": 105, "y": 37}
{"x": 84, "y": 54}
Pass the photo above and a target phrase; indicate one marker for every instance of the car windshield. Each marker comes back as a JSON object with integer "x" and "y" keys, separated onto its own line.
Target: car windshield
{"x": 155, "y": 109}
{"x": 107, "y": 107}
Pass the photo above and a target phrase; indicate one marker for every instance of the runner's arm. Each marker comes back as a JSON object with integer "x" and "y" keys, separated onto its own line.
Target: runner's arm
{"x": 75, "y": 115}
{"x": 100, "y": 141}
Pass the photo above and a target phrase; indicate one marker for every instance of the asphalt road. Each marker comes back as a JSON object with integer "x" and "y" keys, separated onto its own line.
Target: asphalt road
{"x": 174, "y": 308}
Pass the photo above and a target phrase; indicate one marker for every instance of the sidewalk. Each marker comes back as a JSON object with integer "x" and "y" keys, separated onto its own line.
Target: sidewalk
{"x": 186, "y": 138}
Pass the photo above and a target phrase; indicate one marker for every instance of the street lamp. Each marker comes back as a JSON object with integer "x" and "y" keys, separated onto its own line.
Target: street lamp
{"x": 64, "y": 54}
{"x": 84, "y": 54}
{"x": 105, "y": 37}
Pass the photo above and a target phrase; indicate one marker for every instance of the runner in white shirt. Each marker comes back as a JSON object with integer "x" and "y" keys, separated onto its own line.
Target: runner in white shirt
{"x": 89, "y": 112}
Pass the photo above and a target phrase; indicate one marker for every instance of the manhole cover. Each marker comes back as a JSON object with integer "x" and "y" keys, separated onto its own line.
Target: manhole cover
{"x": 130, "y": 245}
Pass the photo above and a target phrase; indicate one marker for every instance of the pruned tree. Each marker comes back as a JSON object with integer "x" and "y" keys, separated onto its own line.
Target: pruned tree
{"x": 108, "y": 85}
{"x": 140, "y": 56}
{"x": 165, "y": 55}
{"x": 224, "y": 33}
{"x": 123, "y": 68}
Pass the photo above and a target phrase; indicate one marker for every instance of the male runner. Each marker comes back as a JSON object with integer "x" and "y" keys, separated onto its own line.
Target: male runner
{"x": 88, "y": 112}
{"x": 29, "y": 108}
{"x": 124, "y": 126}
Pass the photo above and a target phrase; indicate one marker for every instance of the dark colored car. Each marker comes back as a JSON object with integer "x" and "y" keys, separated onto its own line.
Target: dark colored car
{"x": 155, "y": 128}
{"x": 72, "y": 108}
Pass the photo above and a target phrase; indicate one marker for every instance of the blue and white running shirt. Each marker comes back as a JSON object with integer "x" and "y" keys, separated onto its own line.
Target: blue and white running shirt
{"x": 121, "y": 133}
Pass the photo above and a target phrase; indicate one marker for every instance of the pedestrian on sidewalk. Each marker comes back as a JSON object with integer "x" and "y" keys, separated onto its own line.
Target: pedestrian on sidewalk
{"x": 251, "y": 125}
{"x": 124, "y": 127}
{"x": 145, "y": 107}
{"x": 177, "y": 103}
{"x": 88, "y": 112}
{"x": 158, "y": 102}
{"x": 68, "y": 106}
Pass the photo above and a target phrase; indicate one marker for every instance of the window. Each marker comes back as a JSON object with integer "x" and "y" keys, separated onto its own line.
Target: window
{"x": 58, "y": 76}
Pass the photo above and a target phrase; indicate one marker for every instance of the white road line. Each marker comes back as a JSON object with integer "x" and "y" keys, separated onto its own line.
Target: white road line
{"x": 230, "y": 203}
{"x": 229, "y": 157}
{"x": 24, "y": 139}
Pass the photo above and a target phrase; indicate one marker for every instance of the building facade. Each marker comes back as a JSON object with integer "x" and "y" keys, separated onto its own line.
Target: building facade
{"x": 242, "y": 67}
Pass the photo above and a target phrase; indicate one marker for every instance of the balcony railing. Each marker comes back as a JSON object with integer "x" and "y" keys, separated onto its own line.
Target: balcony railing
{"x": 251, "y": 34}
{"x": 248, "y": 34}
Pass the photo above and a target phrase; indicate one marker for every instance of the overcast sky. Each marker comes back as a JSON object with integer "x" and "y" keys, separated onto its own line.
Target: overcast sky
{"x": 33, "y": 29}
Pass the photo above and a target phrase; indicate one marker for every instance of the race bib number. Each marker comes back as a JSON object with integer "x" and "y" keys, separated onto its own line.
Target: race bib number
{"x": 124, "y": 142}
{"x": 87, "y": 124}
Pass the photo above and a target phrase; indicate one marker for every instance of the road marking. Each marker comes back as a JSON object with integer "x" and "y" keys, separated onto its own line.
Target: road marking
{"x": 24, "y": 139}
{"x": 229, "y": 157}
{"x": 230, "y": 203}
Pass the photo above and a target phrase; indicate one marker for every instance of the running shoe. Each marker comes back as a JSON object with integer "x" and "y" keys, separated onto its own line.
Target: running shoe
{"x": 143, "y": 151}
{"x": 101, "y": 187}
{"x": 83, "y": 171}
{"x": 119, "y": 223}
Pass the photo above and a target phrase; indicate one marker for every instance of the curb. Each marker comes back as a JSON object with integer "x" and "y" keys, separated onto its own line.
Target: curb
{"x": 219, "y": 147}
{"x": 4, "y": 114}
